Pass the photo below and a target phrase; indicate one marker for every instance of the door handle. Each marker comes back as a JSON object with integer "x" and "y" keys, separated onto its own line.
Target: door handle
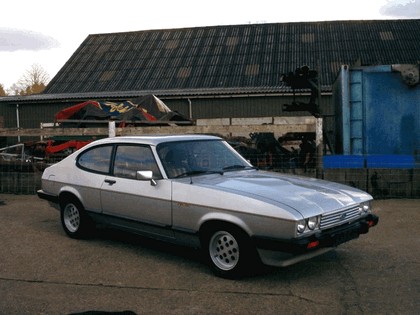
{"x": 110, "y": 181}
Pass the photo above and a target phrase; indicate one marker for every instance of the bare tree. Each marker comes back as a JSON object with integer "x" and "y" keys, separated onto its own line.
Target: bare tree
{"x": 2, "y": 90}
{"x": 33, "y": 81}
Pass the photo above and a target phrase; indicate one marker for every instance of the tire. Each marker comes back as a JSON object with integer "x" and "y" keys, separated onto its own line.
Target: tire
{"x": 229, "y": 251}
{"x": 76, "y": 223}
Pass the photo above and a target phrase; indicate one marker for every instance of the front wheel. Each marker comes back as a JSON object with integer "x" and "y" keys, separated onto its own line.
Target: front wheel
{"x": 229, "y": 251}
{"x": 76, "y": 223}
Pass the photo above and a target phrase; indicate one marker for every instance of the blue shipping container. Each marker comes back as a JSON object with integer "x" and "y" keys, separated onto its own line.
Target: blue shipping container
{"x": 378, "y": 114}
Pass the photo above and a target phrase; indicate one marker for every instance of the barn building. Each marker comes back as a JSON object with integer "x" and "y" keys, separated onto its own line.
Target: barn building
{"x": 233, "y": 71}
{"x": 217, "y": 71}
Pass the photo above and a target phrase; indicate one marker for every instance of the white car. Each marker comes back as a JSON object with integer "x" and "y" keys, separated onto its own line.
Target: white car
{"x": 196, "y": 190}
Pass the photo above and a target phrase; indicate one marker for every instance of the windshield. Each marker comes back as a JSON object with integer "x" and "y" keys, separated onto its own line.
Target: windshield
{"x": 197, "y": 157}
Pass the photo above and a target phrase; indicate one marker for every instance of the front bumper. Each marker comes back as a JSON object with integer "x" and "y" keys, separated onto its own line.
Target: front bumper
{"x": 287, "y": 252}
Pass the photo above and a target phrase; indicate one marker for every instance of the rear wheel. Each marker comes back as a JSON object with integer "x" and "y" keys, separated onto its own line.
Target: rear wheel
{"x": 76, "y": 223}
{"x": 228, "y": 251}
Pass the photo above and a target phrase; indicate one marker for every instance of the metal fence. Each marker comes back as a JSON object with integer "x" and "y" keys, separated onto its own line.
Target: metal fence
{"x": 19, "y": 181}
{"x": 25, "y": 177}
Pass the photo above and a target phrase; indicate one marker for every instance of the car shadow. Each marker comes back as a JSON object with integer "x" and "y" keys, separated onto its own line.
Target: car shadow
{"x": 184, "y": 254}
{"x": 157, "y": 246}
{"x": 169, "y": 251}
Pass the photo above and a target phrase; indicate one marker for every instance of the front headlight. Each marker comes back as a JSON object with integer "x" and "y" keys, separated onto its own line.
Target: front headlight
{"x": 301, "y": 226}
{"x": 313, "y": 223}
{"x": 365, "y": 207}
{"x": 308, "y": 224}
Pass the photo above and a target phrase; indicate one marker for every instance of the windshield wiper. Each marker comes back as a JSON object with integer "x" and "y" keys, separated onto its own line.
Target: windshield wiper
{"x": 198, "y": 172}
{"x": 237, "y": 167}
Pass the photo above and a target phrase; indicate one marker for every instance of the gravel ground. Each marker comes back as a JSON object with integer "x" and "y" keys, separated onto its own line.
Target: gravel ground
{"x": 42, "y": 271}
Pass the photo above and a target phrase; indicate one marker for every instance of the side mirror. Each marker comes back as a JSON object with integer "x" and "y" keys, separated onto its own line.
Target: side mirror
{"x": 146, "y": 175}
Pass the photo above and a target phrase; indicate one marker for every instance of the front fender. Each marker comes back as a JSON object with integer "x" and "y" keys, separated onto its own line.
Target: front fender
{"x": 225, "y": 217}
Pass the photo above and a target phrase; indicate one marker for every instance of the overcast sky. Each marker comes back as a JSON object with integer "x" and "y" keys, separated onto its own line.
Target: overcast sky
{"x": 47, "y": 32}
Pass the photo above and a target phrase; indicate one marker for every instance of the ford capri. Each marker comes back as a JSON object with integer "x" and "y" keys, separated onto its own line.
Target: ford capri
{"x": 196, "y": 190}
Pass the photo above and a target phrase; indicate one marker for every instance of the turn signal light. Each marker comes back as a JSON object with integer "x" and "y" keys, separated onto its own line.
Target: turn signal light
{"x": 312, "y": 244}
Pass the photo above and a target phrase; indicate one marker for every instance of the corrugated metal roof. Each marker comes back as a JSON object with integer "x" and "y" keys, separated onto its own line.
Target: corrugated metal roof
{"x": 251, "y": 56}
{"x": 162, "y": 93}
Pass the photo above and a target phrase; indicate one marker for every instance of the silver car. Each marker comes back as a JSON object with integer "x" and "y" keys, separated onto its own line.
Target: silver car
{"x": 196, "y": 190}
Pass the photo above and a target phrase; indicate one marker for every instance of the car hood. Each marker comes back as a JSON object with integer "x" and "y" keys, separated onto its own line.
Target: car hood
{"x": 308, "y": 196}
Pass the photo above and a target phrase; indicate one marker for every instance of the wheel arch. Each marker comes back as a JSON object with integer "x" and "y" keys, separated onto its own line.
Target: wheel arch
{"x": 66, "y": 195}
{"x": 211, "y": 222}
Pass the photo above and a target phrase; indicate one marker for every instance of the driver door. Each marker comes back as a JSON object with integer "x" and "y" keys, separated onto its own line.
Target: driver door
{"x": 126, "y": 197}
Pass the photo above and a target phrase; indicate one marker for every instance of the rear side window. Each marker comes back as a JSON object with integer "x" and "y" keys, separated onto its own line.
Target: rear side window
{"x": 97, "y": 159}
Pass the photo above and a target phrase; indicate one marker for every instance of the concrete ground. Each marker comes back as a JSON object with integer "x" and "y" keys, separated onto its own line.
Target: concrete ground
{"x": 42, "y": 271}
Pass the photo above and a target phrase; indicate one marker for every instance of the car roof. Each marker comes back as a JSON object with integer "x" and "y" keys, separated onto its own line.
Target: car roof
{"x": 154, "y": 139}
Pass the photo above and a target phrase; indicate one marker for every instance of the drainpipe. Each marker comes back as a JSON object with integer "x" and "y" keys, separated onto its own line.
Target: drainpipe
{"x": 319, "y": 140}
{"x": 189, "y": 108}
{"x": 17, "y": 119}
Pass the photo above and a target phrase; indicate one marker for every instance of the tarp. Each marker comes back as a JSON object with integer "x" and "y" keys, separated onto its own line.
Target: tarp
{"x": 98, "y": 110}
{"x": 153, "y": 105}
{"x": 145, "y": 108}
{"x": 158, "y": 108}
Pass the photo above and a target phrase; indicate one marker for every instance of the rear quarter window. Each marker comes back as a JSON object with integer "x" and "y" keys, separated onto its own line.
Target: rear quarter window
{"x": 96, "y": 159}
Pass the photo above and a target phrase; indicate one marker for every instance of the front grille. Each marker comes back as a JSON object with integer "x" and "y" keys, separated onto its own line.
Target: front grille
{"x": 339, "y": 217}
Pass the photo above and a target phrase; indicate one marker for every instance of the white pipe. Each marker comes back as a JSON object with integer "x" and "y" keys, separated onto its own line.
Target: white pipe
{"x": 111, "y": 129}
{"x": 17, "y": 119}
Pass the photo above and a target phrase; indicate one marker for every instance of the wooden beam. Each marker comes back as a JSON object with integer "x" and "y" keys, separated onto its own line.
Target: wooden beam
{"x": 228, "y": 130}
